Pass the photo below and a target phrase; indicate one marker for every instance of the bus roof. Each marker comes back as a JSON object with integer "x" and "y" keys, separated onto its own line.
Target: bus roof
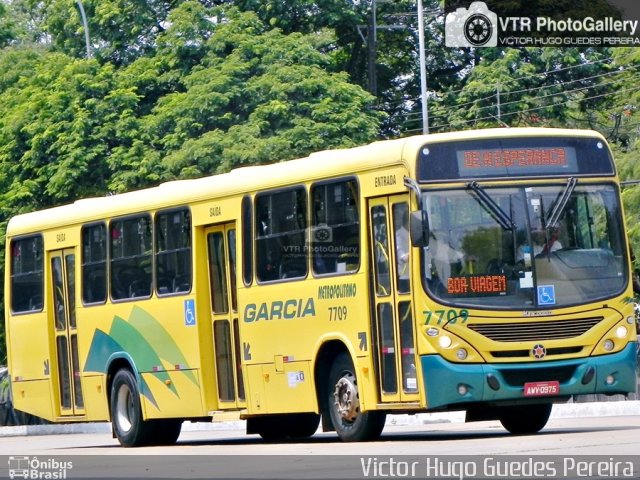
{"x": 324, "y": 164}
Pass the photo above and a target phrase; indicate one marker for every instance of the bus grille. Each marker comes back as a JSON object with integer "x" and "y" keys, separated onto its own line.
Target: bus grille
{"x": 535, "y": 331}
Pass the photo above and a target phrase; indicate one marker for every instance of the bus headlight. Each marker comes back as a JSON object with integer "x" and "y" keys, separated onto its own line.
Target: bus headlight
{"x": 462, "y": 354}
{"x": 621, "y": 331}
{"x": 608, "y": 345}
{"x": 445, "y": 341}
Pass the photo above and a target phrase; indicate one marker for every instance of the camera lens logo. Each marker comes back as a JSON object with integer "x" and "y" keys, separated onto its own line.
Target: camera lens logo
{"x": 477, "y": 29}
{"x": 472, "y": 27}
{"x": 322, "y": 234}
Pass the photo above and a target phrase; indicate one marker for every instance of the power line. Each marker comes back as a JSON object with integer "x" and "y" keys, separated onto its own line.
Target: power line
{"x": 547, "y": 72}
{"x": 442, "y": 94}
{"x": 490, "y": 117}
{"x": 459, "y": 106}
{"x": 549, "y": 95}
{"x": 542, "y": 87}
{"x": 615, "y": 72}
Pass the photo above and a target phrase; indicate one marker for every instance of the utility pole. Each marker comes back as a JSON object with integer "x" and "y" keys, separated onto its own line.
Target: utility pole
{"x": 498, "y": 102}
{"x": 423, "y": 70}
{"x": 86, "y": 27}
{"x": 372, "y": 45}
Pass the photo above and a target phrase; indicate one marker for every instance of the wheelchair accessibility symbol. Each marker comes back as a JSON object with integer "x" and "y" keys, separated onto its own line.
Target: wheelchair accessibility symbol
{"x": 546, "y": 295}
{"x": 189, "y": 312}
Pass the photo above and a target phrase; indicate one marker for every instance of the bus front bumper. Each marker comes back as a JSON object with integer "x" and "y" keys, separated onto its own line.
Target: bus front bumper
{"x": 455, "y": 384}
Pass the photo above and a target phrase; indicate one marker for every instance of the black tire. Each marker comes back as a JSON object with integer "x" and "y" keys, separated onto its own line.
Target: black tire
{"x": 270, "y": 428}
{"x": 524, "y": 419}
{"x": 351, "y": 424}
{"x": 281, "y": 427}
{"x": 126, "y": 412}
{"x": 166, "y": 431}
{"x": 303, "y": 425}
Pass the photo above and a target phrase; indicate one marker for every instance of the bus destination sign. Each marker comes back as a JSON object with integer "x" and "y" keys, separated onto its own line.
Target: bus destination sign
{"x": 514, "y": 158}
{"x": 474, "y": 285}
{"x": 532, "y": 157}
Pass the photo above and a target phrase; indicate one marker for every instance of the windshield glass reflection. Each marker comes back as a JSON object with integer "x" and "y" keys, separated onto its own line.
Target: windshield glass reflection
{"x": 539, "y": 261}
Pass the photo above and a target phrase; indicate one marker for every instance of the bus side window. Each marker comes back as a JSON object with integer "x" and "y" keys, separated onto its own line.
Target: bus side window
{"x": 281, "y": 234}
{"x": 27, "y": 280}
{"x": 173, "y": 251}
{"x": 94, "y": 263}
{"x": 335, "y": 227}
{"x": 130, "y": 269}
{"x": 247, "y": 241}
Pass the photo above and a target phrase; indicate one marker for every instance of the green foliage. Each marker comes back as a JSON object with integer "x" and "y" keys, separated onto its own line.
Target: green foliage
{"x": 255, "y": 96}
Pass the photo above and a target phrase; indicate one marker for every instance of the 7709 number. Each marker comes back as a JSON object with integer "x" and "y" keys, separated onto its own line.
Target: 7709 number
{"x": 437, "y": 317}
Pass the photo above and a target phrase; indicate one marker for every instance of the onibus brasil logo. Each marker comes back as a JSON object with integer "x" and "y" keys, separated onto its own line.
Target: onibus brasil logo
{"x": 33, "y": 468}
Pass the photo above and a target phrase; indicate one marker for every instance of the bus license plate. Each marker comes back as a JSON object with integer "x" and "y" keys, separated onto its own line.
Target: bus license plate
{"x": 541, "y": 389}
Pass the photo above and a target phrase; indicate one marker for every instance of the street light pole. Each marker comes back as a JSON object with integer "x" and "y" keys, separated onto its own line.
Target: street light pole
{"x": 423, "y": 70}
{"x": 86, "y": 27}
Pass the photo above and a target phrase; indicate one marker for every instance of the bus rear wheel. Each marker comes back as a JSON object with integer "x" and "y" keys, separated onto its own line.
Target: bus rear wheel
{"x": 351, "y": 424}
{"x": 523, "y": 419}
{"x": 126, "y": 412}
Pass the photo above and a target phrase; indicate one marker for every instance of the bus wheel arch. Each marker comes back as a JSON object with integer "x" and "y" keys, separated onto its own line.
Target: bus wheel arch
{"x": 324, "y": 360}
{"x": 340, "y": 400}
{"x": 126, "y": 410}
{"x": 116, "y": 365}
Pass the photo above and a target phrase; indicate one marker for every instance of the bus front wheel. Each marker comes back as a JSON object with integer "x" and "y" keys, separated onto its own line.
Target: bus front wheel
{"x": 523, "y": 419}
{"x": 351, "y": 424}
{"x": 126, "y": 412}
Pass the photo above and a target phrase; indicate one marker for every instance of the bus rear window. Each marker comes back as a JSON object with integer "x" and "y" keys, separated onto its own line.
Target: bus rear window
{"x": 27, "y": 282}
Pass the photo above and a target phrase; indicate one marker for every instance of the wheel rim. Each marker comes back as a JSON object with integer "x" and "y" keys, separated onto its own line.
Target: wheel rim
{"x": 124, "y": 408}
{"x": 346, "y": 401}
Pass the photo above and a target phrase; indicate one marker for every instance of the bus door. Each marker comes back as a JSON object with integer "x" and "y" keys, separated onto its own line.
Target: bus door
{"x": 221, "y": 248}
{"x": 63, "y": 319}
{"x": 392, "y": 323}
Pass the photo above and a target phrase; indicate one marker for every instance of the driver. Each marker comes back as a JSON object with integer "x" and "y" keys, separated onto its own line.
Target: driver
{"x": 541, "y": 244}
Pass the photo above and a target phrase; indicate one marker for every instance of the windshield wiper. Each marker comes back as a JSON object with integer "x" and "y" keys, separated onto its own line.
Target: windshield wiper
{"x": 561, "y": 204}
{"x": 498, "y": 213}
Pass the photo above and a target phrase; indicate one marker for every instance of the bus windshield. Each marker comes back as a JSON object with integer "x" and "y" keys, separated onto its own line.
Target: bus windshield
{"x": 535, "y": 247}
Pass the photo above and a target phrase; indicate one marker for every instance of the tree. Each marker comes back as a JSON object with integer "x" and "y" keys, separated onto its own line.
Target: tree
{"x": 529, "y": 87}
{"x": 256, "y": 96}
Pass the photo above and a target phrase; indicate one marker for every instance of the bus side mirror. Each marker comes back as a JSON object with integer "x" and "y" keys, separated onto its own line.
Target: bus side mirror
{"x": 419, "y": 229}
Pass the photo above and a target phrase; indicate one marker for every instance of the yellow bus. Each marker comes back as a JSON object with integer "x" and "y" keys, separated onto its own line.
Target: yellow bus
{"x": 483, "y": 271}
